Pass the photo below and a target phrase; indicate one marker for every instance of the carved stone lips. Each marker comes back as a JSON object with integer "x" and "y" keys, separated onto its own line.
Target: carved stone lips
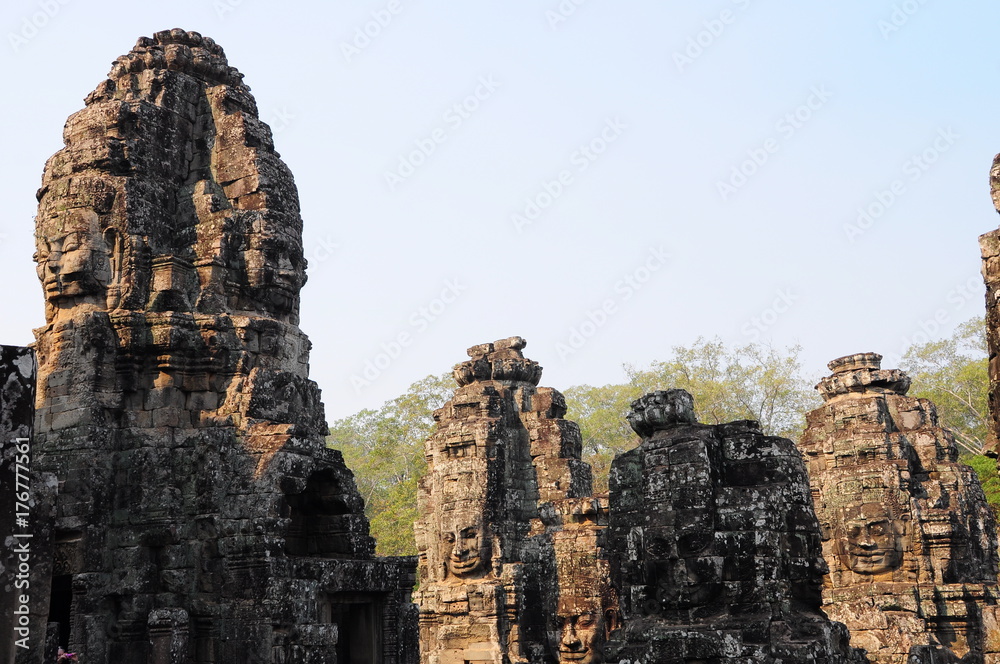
{"x": 869, "y": 557}
{"x": 467, "y": 565}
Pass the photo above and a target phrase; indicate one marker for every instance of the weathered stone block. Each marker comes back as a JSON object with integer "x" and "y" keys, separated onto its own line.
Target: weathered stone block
{"x": 721, "y": 559}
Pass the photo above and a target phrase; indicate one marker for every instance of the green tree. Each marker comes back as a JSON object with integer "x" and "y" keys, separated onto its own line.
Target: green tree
{"x": 752, "y": 382}
{"x": 953, "y": 374}
{"x": 986, "y": 468}
{"x": 755, "y": 381}
{"x": 600, "y": 412}
{"x": 385, "y": 450}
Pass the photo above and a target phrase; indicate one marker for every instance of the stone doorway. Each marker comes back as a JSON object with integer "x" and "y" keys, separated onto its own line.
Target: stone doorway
{"x": 359, "y": 624}
{"x": 61, "y": 606}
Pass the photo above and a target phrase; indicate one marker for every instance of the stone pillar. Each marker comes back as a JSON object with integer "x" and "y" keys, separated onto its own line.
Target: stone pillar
{"x": 714, "y": 545}
{"x": 989, "y": 246}
{"x": 908, "y": 536}
{"x": 168, "y": 637}
{"x": 504, "y": 482}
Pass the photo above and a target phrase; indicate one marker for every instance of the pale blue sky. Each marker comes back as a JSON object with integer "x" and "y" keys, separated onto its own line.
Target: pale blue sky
{"x": 774, "y": 248}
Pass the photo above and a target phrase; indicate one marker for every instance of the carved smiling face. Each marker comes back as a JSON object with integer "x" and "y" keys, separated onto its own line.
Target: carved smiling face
{"x": 873, "y": 539}
{"x": 466, "y": 548}
{"x": 580, "y": 632}
{"x": 72, "y": 263}
{"x": 584, "y": 623}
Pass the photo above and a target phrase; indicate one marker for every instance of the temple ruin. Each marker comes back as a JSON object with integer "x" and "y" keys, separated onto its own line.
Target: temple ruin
{"x": 184, "y": 507}
{"x": 907, "y": 533}
{"x": 200, "y": 516}
{"x": 714, "y": 545}
{"x": 989, "y": 246}
{"x": 509, "y": 564}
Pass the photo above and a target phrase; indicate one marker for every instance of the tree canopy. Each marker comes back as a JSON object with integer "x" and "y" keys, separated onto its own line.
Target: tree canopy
{"x": 385, "y": 450}
{"x": 752, "y": 382}
{"x": 385, "y": 447}
{"x": 953, "y": 374}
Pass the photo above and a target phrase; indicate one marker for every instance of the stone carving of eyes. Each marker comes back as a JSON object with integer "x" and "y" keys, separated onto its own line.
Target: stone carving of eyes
{"x": 877, "y": 529}
{"x": 469, "y": 533}
{"x": 42, "y": 251}
{"x": 71, "y": 243}
{"x": 854, "y": 532}
{"x": 586, "y": 620}
{"x": 449, "y": 537}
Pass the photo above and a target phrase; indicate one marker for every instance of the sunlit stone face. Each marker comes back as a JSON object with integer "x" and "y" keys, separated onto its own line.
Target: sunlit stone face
{"x": 580, "y": 633}
{"x": 72, "y": 264}
{"x": 873, "y": 539}
{"x": 466, "y": 548}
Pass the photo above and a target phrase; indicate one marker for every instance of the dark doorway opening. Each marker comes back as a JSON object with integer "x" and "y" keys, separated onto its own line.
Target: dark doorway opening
{"x": 61, "y": 606}
{"x": 358, "y": 619}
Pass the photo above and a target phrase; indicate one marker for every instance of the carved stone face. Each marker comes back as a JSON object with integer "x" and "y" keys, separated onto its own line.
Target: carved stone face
{"x": 581, "y": 631}
{"x": 466, "y": 547}
{"x": 275, "y": 269}
{"x": 72, "y": 264}
{"x": 873, "y": 539}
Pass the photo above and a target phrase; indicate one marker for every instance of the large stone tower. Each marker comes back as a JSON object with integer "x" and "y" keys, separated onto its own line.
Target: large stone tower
{"x": 989, "y": 246}
{"x": 907, "y": 533}
{"x": 200, "y": 516}
{"x": 714, "y": 545}
{"x": 509, "y": 564}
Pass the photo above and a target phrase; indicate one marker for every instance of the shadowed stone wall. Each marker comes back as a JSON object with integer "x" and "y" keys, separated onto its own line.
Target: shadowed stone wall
{"x": 200, "y": 516}
{"x": 714, "y": 545}
{"x": 26, "y": 519}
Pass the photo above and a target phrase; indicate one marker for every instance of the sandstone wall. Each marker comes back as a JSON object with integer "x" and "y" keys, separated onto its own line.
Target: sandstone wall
{"x": 989, "y": 245}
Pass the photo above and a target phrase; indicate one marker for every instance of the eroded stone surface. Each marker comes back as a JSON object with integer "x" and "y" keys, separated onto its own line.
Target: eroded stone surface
{"x": 586, "y": 611}
{"x": 200, "y": 516}
{"x": 907, "y": 533}
{"x": 989, "y": 246}
{"x": 714, "y": 545}
{"x": 26, "y": 519}
{"x": 509, "y": 565}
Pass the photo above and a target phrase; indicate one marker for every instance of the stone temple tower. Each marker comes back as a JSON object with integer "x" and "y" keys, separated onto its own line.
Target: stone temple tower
{"x": 989, "y": 247}
{"x": 200, "y": 517}
{"x": 714, "y": 545}
{"x": 908, "y": 535}
{"x": 510, "y": 570}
